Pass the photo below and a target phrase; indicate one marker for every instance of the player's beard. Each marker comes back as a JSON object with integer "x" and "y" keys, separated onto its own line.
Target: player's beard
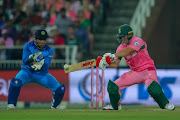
{"x": 126, "y": 42}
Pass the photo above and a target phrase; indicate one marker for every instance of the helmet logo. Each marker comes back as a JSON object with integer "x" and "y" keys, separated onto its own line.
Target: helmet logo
{"x": 43, "y": 33}
{"x": 130, "y": 32}
{"x": 119, "y": 31}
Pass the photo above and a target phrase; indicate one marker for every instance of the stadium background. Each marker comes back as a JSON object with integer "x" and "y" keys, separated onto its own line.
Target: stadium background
{"x": 157, "y": 22}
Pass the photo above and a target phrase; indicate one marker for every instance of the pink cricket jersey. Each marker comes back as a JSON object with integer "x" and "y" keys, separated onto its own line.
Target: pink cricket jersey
{"x": 139, "y": 60}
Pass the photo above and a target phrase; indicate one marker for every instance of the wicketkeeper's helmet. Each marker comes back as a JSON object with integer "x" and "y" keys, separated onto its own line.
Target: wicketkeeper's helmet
{"x": 40, "y": 38}
{"x": 41, "y": 35}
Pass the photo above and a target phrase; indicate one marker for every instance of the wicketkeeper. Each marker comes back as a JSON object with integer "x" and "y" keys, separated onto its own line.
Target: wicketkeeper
{"x": 37, "y": 56}
{"x": 142, "y": 69}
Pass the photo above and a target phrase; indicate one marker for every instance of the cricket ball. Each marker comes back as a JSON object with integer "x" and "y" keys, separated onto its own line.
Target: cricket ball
{"x": 66, "y": 66}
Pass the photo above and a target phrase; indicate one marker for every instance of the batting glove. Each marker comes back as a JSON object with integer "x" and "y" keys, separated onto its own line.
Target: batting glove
{"x": 112, "y": 56}
{"x": 99, "y": 63}
{"x": 106, "y": 60}
{"x": 106, "y": 54}
{"x": 102, "y": 65}
{"x": 99, "y": 58}
{"x": 33, "y": 57}
{"x": 103, "y": 62}
{"x": 38, "y": 65}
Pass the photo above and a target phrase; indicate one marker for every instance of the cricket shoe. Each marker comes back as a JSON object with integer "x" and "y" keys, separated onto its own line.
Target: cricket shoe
{"x": 170, "y": 107}
{"x": 60, "y": 107}
{"x": 109, "y": 107}
{"x": 10, "y": 106}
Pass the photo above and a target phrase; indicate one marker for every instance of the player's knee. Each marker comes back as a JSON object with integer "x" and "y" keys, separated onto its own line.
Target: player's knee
{"x": 61, "y": 89}
{"x": 16, "y": 82}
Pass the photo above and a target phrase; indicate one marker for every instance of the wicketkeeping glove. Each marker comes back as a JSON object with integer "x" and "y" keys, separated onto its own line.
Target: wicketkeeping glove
{"x": 38, "y": 65}
{"x": 33, "y": 57}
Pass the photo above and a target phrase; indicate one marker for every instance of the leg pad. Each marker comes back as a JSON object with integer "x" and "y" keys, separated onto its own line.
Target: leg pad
{"x": 14, "y": 90}
{"x": 58, "y": 95}
{"x": 156, "y": 92}
{"x": 114, "y": 95}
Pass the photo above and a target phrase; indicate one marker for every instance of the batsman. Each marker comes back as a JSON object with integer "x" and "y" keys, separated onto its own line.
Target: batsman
{"x": 36, "y": 58}
{"x": 142, "y": 69}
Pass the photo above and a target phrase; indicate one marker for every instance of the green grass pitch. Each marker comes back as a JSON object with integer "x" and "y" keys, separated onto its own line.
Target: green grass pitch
{"x": 128, "y": 113}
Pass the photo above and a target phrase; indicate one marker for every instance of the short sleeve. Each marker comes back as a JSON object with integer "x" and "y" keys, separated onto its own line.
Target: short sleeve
{"x": 137, "y": 44}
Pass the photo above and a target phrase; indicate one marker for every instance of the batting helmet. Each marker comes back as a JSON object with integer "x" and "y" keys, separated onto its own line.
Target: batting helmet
{"x": 123, "y": 31}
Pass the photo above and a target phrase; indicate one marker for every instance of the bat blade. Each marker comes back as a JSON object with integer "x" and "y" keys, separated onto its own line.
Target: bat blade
{"x": 80, "y": 65}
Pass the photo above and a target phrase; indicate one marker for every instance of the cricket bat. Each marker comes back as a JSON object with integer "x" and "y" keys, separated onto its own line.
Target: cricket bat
{"x": 80, "y": 66}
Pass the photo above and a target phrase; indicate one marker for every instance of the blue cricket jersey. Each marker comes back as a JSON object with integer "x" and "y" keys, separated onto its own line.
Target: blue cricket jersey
{"x": 31, "y": 48}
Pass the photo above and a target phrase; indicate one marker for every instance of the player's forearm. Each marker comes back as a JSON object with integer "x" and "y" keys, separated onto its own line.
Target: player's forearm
{"x": 124, "y": 52}
{"x": 114, "y": 63}
{"x": 26, "y": 61}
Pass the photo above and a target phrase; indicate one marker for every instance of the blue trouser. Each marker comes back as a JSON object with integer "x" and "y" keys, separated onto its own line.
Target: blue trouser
{"x": 24, "y": 77}
{"x": 47, "y": 80}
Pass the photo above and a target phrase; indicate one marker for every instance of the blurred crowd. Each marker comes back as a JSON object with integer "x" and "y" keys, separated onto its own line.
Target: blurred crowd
{"x": 68, "y": 22}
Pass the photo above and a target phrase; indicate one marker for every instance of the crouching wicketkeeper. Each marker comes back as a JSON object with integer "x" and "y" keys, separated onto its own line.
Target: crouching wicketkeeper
{"x": 36, "y": 59}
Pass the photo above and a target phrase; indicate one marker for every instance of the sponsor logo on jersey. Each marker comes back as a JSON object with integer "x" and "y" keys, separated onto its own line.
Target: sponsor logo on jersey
{"x": 130, "y": 73}
{"x": 50, "y": 56}
{"x": 132, "y": 55}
